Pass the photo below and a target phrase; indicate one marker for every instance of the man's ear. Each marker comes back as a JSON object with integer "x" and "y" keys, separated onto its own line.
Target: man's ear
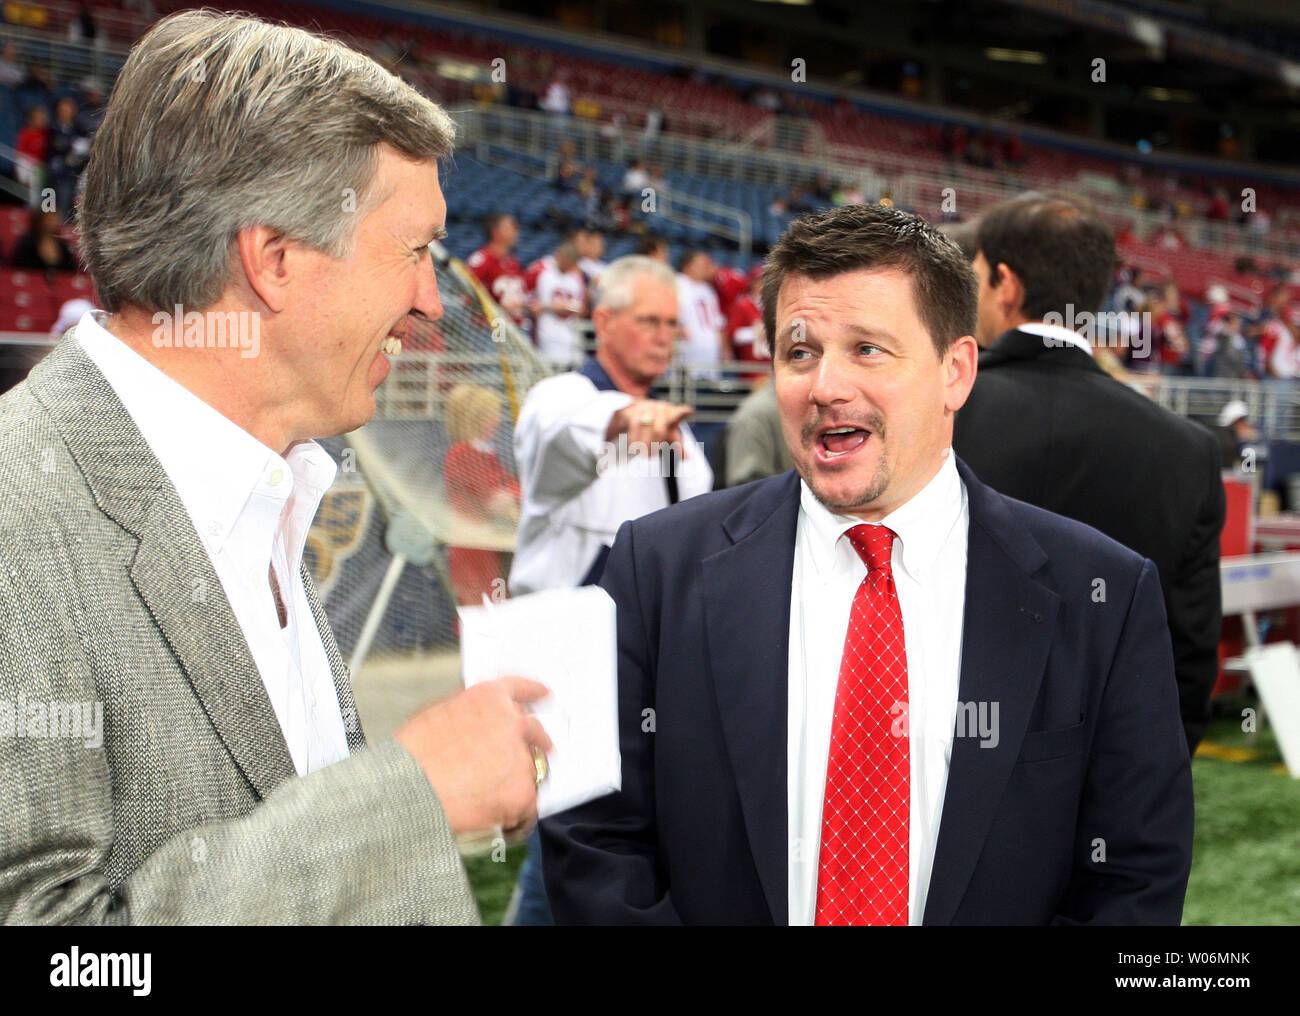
{"x": 264, "y": 256}
{"x": 960, "y": 364}
{"x": 1010, "y": 291}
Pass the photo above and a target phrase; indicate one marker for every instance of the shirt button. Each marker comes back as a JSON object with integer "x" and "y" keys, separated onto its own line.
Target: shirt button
{"x": 276, "y": 476}
{"x": 214, "y": 529}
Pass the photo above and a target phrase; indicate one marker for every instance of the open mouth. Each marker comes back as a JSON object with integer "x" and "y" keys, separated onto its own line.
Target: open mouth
{"x": 393, "y": 341}
{"x": 839, "y": 442}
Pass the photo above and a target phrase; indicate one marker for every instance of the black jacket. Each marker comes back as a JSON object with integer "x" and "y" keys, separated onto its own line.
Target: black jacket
{"x": 1046, "y": 425}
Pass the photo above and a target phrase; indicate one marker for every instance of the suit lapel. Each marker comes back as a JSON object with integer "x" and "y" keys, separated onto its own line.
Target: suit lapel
{"x": 1006, "y": 635}
{"x": 748, "y": 657}
{"x": 342, "y": 676}
{"x": 171, "y": 570}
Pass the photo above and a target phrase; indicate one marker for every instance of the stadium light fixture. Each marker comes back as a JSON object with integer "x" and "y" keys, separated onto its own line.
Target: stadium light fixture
{"x": 1024, "y": 56}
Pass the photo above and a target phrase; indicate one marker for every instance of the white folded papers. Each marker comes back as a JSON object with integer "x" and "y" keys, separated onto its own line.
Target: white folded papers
{"x": 564, "y": 638}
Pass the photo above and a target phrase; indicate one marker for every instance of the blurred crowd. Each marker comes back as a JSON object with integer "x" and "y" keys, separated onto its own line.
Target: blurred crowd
{"x": 550, "y": 299}
{"x": 1224, "y": 338}
{"x": 59, "y": 125}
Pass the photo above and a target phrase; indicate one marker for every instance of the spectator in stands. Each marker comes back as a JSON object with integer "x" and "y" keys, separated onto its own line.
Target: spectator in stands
{"x": 39, "y": 84}
{"x": 591, "y": 249}
{"x": 68, "y": 151}
{"x": 83, "y": 29}
{"x": 1169, "y": 346}
{"x": 32, "y": 145}
{"x": 847, "y": 194}
{"x": 585, "y": 444}
{"x": 92, "y": 106}
{"x": 656, "y": 180}
{"x": 11, "y": 68}
{"x": 654, "y": 123}
{"x": 557, "y": 99}
{"x": 568, "y": 174}
{"x": 1236, "y": 435}
{"x": 635, "y": 179}
{"x": 478, "y": 487}
{"x": 798, "y": 201}
{"x": 595, "y": 199}
{"x": 560, "y": 300}
{"x": 654, "y": 247}
{"x": 1276, "y": 339}
{"x": 42, "y": 248}
{"x": 1234, "y": 356}
{"x": 704, "y": 342}
{"x": 745, "y": 325}
{"x": 497, "y": 269}
{"x": 728, "y": 283}
{"x": 1044, "y": 424}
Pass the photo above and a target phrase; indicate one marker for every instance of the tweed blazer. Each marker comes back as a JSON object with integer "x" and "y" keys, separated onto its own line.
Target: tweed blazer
{"x": 190, "y": 810}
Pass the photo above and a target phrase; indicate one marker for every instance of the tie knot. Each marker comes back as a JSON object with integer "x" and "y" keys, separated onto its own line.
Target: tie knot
{"x": 875, "y": 545}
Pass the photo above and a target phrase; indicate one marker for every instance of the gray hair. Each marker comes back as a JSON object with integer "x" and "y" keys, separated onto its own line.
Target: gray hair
{"x": 217, "y": 123}
{"x": 618, "y": 281}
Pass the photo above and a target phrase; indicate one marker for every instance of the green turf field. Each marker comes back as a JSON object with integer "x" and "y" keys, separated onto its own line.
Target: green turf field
{"x": 494, "y": 881}
{"x": 1246, "y": 865}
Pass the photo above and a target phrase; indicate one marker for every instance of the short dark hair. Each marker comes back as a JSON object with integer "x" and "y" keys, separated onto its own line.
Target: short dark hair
{"x": 854, "y": 237}
{"x": 491, "y": 220}
{"x": 690, "y": 255}
{"x": 1058, "y": 247}
{"x": 650, "y": 243}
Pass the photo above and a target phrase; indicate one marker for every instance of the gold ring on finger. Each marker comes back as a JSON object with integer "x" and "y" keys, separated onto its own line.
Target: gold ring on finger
{"x": 541, "y": 767}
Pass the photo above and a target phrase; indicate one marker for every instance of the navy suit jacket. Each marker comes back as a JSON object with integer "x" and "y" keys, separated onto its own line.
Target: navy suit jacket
{"x": 1082, "y": 813}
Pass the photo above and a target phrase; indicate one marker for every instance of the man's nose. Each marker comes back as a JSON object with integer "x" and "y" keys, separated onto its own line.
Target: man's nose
{"x": 830, "y": 381}
{"x": 427, "y": 301}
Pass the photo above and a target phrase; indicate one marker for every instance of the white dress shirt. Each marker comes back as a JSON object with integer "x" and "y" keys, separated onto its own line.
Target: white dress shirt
{"x": 577, "y": 488}
{"x": 929, "y": 565}
{"x": 251, "y": 509}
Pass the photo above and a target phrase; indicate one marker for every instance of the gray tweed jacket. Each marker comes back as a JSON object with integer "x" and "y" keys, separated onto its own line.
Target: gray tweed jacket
{"x": 190, "y": 810}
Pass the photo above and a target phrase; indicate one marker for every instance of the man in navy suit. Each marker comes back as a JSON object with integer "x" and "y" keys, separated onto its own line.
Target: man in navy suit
{"x": 873, "y": 690}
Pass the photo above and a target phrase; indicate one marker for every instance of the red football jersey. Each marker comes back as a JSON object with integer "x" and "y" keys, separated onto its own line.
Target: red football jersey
{"x": 503, "y": 278}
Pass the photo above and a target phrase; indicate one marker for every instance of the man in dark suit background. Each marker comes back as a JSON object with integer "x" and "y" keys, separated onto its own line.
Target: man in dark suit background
{"x": 874, "y": 691}
{"x": 1045, "y": 424}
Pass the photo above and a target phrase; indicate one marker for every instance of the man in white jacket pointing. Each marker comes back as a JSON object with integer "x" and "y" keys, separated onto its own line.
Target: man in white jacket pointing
{"x": 594, "y": 450}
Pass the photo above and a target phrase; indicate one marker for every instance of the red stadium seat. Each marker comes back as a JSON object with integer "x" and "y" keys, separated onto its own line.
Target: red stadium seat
{"x": 72, "y": 286}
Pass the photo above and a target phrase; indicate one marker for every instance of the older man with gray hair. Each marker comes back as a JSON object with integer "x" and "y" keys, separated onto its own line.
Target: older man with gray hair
{"x": 257, "y": 212}
{"x": 595, "y": 450}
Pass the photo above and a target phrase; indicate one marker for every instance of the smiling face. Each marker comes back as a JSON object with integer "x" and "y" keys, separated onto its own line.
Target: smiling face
{"x": 866, "y": 402}
{"x": 346, "y": 308}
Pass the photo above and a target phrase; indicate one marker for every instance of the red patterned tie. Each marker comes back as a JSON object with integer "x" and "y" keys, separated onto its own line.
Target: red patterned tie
{"x": 862, "y": 876}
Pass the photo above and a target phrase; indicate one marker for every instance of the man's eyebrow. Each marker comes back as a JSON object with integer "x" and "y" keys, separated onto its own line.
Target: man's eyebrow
{"x": 439, "y": 234}
{"x": 866, "y": 332}
{"x": 860, "y": 331}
